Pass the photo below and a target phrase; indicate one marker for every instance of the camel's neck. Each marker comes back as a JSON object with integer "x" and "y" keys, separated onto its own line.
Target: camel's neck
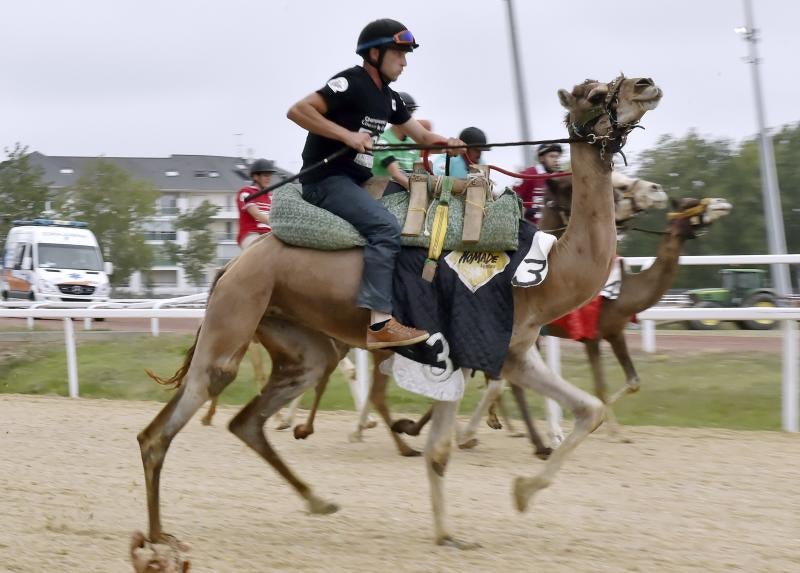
{"x": 642, "y": 290}
{"x": 581, "y": 259}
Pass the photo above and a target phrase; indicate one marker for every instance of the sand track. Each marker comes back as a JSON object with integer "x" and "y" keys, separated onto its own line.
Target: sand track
{"x": 675, "y": 500}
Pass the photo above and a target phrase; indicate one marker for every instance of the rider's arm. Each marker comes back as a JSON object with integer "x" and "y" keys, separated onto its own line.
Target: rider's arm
{"x": 420, "y": 134}
{"x": 309, "y": 113}
{"x": 258, "y": 214}
{"x": 398, "y": 174}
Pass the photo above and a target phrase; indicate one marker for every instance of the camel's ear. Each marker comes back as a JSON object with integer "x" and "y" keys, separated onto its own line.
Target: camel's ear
{"x": 567, "y": 99}
{"x": 676, "y": 205}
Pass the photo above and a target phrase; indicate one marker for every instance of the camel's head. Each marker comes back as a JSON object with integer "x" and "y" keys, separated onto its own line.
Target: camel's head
{"x": 153, "y": 558}
{"x": 632, "y": 196}
{"x": 691, "y": 217}
{"x": 609, "y": 111}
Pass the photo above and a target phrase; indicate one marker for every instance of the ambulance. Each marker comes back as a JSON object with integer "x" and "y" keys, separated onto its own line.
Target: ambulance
{"x": 55, "y": 261}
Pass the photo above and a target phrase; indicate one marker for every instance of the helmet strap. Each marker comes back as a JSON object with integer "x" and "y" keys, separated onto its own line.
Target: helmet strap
{"x": 378, "y": 63}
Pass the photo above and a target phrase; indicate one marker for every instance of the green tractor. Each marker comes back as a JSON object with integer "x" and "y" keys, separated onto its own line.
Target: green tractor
{"x": 740, "y": 287}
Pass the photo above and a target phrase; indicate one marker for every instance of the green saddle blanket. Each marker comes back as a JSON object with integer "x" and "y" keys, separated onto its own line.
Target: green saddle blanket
{"x": 298, "y": 222}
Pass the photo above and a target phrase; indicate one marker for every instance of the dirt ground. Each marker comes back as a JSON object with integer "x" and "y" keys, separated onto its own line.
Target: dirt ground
{"x": 674, "y": 500}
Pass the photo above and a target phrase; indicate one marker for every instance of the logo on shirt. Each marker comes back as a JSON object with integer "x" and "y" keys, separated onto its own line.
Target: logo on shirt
{"x": 394, "y": 105}
{"x": 338, "y": 84}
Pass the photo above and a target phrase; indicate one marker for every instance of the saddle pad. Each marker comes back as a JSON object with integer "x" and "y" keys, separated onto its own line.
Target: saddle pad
{"x": 298, "y": 222}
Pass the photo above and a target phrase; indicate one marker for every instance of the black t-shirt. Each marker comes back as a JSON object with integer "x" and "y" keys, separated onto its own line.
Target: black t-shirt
{"x": 357, "y": 104}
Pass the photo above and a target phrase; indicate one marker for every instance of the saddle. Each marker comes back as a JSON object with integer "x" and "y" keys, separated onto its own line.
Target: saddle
{"x": 440, "y": 214}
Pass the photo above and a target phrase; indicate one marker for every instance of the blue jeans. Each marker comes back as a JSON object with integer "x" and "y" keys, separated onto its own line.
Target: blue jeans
{"x": 342, "y": 196}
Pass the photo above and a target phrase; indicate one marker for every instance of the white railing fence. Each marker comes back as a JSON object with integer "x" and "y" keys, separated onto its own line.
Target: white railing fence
{"x": 193, "y": 306}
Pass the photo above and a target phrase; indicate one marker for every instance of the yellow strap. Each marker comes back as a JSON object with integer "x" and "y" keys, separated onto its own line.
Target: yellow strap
{"x": 438, "y": 232}
{"x": 692, "y": 212}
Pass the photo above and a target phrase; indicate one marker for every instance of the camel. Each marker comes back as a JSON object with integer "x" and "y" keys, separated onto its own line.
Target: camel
{"x": 631, "y": 197}
{"x": 639, "y": 291}
{"x": 307, "y": 297}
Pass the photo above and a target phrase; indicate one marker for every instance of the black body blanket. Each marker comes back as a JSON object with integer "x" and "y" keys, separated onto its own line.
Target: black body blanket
{"x": 477, "y": 326}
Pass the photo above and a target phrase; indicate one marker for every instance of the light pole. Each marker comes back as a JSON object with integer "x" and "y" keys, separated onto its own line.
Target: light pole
{"x": 521, "y": 103}
{"x": 776, "y": 238}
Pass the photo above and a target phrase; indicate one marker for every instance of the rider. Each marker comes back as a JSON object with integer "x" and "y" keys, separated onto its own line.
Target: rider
{"x": 397, "y": 164}
{"x": 531, "y": 191}
{"x": 254, "y": 216}
{"x": 352, "y": 109}
{"x": 458, "y": 165}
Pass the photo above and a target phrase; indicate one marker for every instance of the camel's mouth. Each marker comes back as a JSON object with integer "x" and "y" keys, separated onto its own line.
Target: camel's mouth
{"x": 648, "y": 98}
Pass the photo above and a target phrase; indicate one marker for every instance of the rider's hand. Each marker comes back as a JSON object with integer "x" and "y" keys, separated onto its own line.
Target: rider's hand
{"x": 455, "y": 147}
{"x": 359, "y": 141}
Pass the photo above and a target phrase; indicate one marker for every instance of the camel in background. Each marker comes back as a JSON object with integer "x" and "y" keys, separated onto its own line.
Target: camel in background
{"x": 307, "y": 297}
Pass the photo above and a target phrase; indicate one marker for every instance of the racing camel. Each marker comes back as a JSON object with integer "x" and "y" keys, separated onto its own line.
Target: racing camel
{"x": 307, "y": 297}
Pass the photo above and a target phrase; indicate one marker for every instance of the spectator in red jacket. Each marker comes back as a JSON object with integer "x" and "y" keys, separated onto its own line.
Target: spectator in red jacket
{"x": 531, "y": 191}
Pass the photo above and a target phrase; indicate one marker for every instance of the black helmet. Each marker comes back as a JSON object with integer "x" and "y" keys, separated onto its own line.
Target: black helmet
{"x": 385, "y": 33}
{"x": 472, "y": 136}
{"x": 262, "y": 166}
{"x": 409, "y": 102}
{"x": 547, "y": 148}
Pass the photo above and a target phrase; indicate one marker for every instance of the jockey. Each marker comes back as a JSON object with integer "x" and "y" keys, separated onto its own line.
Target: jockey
{"x": 458, "y": 165}
{"x": 531, "y": 191}
{"x": 254, "y": 216}
{"x": 352, "y": 110}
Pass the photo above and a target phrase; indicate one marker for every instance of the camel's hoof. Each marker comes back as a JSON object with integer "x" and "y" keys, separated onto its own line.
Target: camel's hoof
{"x": 205, "y": 421}
{"x": 494, "y": 424}
{"x": 556, "y": 439}
{"x": 632, "y": 388}
{"x": 404, "y": 426}
{"x": 355, "y": 437}
{"x": 301, "y": 432}
{"x": 370, "y": 424}
{"x": 469, "y": 444}
{"x": 543, "y": 453}
{"x": 317, "y": 506}
{"x": 283, "y": 426}
{"x": 167, "y": 556}
{"x": 517, "y": 435}
{"x": 448, "y": 541}
{"x": 520, "y": 498}
{"x": 410, "y": 453}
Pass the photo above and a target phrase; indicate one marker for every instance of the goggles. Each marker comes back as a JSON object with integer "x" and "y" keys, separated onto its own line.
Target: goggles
{"x": 402, "y": 38}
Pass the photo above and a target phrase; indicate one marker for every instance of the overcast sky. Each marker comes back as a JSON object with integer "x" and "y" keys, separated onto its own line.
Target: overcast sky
{"x": 154, "y": 78}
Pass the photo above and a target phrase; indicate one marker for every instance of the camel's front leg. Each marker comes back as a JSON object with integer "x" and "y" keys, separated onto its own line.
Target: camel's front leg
{"x": 526, "y": 368}
{"x": 542, "y": 452}
{"x": 467, "y": 439}
{"x": 286, "y": 421}
{"x": 377, "y": 396}
{"x": 620, "y": 348}
{"x": 600, "y": 386}
{"x": 437, "y": 454}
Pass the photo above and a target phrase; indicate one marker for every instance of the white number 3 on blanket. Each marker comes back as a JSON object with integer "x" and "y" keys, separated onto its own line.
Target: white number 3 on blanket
{"x": 436, "y": 373}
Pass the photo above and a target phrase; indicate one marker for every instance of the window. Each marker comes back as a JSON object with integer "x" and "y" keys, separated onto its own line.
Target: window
{"x": 229, "y": 202}
{"x": 171, "y": 173}
{"x": 167, "y": 205}
{"x": 66, "y": 171}
{"x": 21, "y": 252}
{"x": 84, "y": 257}
{"x": 159, "y": 231}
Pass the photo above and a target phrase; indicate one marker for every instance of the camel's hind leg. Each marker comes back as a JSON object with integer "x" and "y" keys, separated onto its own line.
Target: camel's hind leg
{"x": 467, "y": 439}
{"x": 259, "y": 375}
{"x": 377, "y": 396}
{"x": 213, "y": 366}
{"x": 301, "y": 358}
{"x": 285, "y": 421}
{"x": 542, "y": 452}
{"x": 529, "y": 370}
{"x": 600, "y": 386}
{"x": 632, "y": 381}
{"x": 437, "y": 454}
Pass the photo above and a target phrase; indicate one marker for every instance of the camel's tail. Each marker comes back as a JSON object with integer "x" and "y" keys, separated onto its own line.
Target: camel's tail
{"x": 176, "y": 379}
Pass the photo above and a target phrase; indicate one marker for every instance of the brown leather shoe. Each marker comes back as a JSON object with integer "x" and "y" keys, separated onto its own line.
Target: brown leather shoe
{"x": 394, "y": 334}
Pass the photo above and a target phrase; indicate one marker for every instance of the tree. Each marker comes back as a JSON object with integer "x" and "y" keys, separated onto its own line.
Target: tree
{"x": 115, "y": 205}
{"x": 23, "y": 192}
{"x": 201, "y": 248}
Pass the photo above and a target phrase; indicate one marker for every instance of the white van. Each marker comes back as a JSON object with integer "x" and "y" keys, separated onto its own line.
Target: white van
{"x": 52, "y": 260}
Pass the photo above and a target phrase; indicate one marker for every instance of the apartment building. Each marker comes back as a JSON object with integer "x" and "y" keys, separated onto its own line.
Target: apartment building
{"x": 185, "y": 181}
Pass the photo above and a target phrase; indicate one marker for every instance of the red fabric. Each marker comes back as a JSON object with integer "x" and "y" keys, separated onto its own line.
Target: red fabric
{"x": 247, "y": 224}
{"x": 581, "y": 323}
{"x": 531, "y": 191}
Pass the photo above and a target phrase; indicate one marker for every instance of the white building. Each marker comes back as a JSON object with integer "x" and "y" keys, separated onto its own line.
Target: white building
{"x": 185, "y": 181}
